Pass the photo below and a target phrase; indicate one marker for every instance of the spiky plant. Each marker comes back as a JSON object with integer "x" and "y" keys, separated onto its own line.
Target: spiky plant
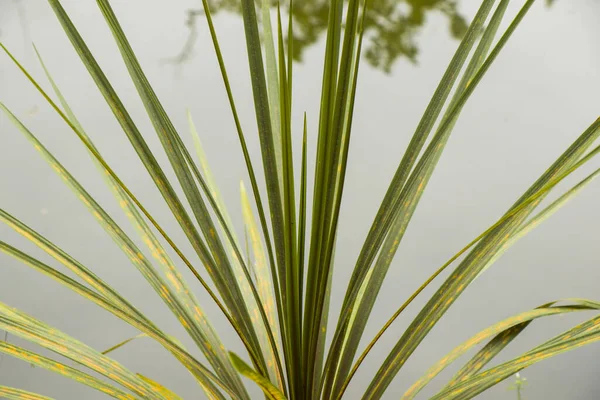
{"x": 277, "y": 303}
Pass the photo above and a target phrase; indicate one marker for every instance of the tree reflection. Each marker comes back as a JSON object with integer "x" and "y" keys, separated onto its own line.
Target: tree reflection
{"x": 391, "y": 26}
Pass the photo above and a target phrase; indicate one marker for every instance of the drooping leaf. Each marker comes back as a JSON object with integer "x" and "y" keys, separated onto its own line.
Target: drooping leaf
{"x": 28, "y": 328}
{"x": 476, "y": 384}
{"x": 496, "y": 329}
{"x": 65, "y": 370}
{"x": 10, "y": 393}
{"x": 201, "y": 373}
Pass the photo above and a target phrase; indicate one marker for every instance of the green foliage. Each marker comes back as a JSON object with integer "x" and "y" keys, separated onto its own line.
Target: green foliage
{"x": 275, "y": 291}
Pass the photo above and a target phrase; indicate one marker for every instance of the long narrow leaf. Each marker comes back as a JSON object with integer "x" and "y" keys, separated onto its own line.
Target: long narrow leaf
{"x": 203, "y": 375}
{"x": 10, "y": 393}
{"x": 210, "y": 344}
{"x": 121, "y": 239}
{"x": 486, "y": 379}
{"x": 543, "y": 215}
{"x": 496, "y": 329}
{"x": 28, "y": 328}
{"x": 218, "y": 264}
{"x": 362, "y": 308}
{"x": 65, "y": 370}
{"x": 486, "y": 248}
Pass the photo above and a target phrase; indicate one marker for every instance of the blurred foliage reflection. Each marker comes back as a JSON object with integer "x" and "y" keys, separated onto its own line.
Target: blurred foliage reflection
{"x": 391, "y": 26}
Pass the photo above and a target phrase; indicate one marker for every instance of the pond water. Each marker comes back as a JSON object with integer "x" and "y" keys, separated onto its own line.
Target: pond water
{"x": 538, "y": 97}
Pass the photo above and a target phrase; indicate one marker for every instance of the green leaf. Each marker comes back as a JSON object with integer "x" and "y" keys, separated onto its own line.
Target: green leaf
{"x": 63, "y": 369}
{"x": 293, "y": 289}
{"x": 469, "y": 268}
{"x": 332, "y": 153}
{"x": 476, "y": 384}
{"x": 136, "y": 257}
{"x": 497, "y": 329}
{"x": 264, "y": 281}
{"x": 202, "y": 331}
{"x": 409, "y": 200}
{"x": 18, "y": 394}
{"x": 541, "y": 216}
{"x": 28, "y": 328}
{"x": 267, "y": 387}
{"x": 247, "y": 159}
{"x": 202, "y": 374}
{"x": 302, "y": 208}
{"x": 141, "y": 148}
{"x": 533, "y": 198}
{"x": 272, "y": 86}
{"x": 315, "y": 268}
{"x": 217, "y": 263}
{"x": 239, "y": 266}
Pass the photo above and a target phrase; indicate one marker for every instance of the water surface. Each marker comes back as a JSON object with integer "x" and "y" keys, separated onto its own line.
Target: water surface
{"x": 539, "y": 96}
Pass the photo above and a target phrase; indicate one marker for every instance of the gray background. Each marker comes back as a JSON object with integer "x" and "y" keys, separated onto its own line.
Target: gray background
{"x": 539, "y": 96}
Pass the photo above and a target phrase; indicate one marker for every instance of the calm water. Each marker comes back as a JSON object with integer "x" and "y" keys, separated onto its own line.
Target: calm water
{"x": 540, "y": 95}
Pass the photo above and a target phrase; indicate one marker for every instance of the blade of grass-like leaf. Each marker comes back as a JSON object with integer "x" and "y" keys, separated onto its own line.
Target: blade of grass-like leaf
{"x": 271, "y": 392}
{"x": 355, "y": 330}
{"x": 533, "y": 198}
{"x": 290, "y": 51}
{"x": 248, "y": 161}
{"x": 543, "y": 215}
{"x": 73, "y": 265}
{"x": 496, "y": 329}
{"x": 264, "y": 281}
{"x": 484, "y": 250}
{"x": 486, "y": 379}
{"x": 267, "y": 332}
{"x": 126, "y": 119}
{"x": 203, "y": 375}
{"x": 265, "y": 132}
{"x": 384, "y": 215}
{"x": 318, "y": 368}
{"x": 65, "y": 370}
{"x": 223, "y": 275}
{"x": 334, "y": 161}
{"x": 209, "y": 177}
{"x": 314, "y": 273}
{"x": 329, "y": 383}
{"x": 10, "y": 393}
{"x": 28, "y": 328}
{"x": 392, "y": 200}
{"x": 129, "y": 128}
{"x": 187, "y": 319}
{"x": 487, "y": 353}
{"x": 210, "y": 344}
{"x": 496, "y": 345}
{"x": 272, "y": 85}
{"x": 293, "y": 289}
{"x": 242, "y": 274}
{"x": 141, "y": 148}
{"x": 302, "y": 210}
